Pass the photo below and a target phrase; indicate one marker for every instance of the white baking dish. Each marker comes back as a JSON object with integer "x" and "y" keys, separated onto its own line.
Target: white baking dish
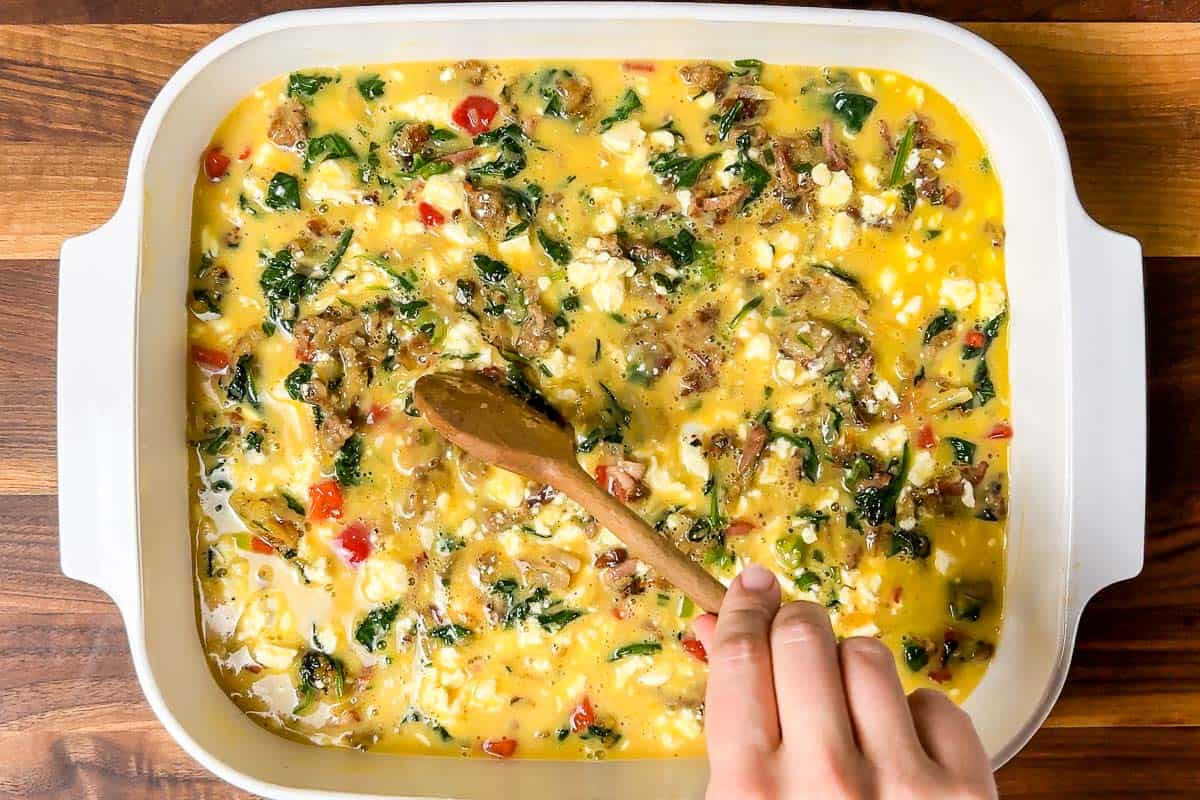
{"x": 1077, "y": 367}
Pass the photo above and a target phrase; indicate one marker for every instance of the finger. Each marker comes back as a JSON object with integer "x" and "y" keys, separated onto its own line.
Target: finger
{"x": 705, "y": 628}
{"x": 947, "y": 735}
{"x": 740, "y": 703}
{"x": 808, "y": 679}
{"x": 879, "y": 711}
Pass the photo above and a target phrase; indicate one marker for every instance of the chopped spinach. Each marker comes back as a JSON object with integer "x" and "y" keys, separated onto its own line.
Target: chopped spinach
{"x": 241, "y": 387}
{"x": 373, "y": 629}
{"x": 318, "y": 674}
{"x": 329, "y": 146}
{"x": 969, "y": 598}
{"x": 725, "y": 122}
{"x": 990, "y": 331}
{"x": 510, "y": 140}
{"x": 253, "y": 441}
{"x": 491, "y": 271}
{"x": 753, "y": 174}
{"x": 911, "y": 544}
{"x": 943, "y": 322}
{"x": 558, "y": 251}
{"x": 554, "y": 621}
{"x": 806, "y": 580}
{"x": 304, "y": 87}
{"x": 629, "y": 103}
{"x": 743, "y": 67}
{"x": 964, "y": 451}
{"x": 908, "y": 197}
{"x": 296, "y": 379}
{"x": 647, "y": 648}
{"x": 877, "y": 504}
{"x": 283, "y": 192}
{"x": 615, "y": 419}
{"x": 902, "y": 151}
{"x": 370, "y": 87}
{"x": 216, "y": 441}
{"x": 347, "y": 463}
{"x": 852, "y": 108}
{"x": 425, "y": 168}
{"x": 450, "y": 634}
{"x": 750, "y": 305}
{"x": 679, "y": 170}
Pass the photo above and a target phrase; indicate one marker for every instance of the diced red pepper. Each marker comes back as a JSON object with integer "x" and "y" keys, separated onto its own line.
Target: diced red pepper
{"x": 500, "y": 748}
{"x": 260, "y": 545}
{"x": 612, "y": 486}
{"x": 976, "y": 338}
{"x": 739, "y": 527}
{"x": 242, "y": 156}
{"x": 209, "y": 360}
{"x": 475, "y": 114}
{"x": 583, "y": 716}
{"x": 620, "y": 612}
{"x": 325, "y": 500}
{"x": 941, "y": 674}
{"x": 430, "y": 216}
{"x": 897, "y": 594}
{"x": 377, "y": 413}
{"x": 925, "y": 438}
{"x": 216, "y": 163}
{"x": 638, "y": 66}
{"x": 354, "y": 543}
{"x": 695, "y": 648}
{"x": 1001, "y": 430}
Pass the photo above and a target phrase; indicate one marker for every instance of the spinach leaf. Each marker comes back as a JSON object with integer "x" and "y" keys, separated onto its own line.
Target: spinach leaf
{"x": 554, "y": 621}
{"x": 990, "y": 331}
{"x": 296, "y": 380}
{"x": 751, "y": 172}
{"x": 747, "y": 66}
{"x": 985, "y": 390}
{"x": 908, "y": 197}
{"x": 372, "y": 630}
{"x": 647, "y": 648}
{"x": 283, "y": 287}
{"x": 425, "y": 168}
{"x": 491, "y": 270}
{"x": 681, "y": 247}
{"x": 253, "y": 441}
{"x": 335, "y": 258}
{"x": 750, "y": 305}
{"x": 629, "y": 103}
{"x": 969, "y": 598}
{"x": 304, "y": 87}
{"x": 852, "y": 108}
{"x": 241, "y": 387}
{"x": 558, "y": 251}
{"x": 283, "y": 192}
{"x": 450, "y": 634}
{"x": 964, "y": 451}
{"x": 293, "y": 503}
{"x": 216, "y": 441}
{"x": 725, "y": 122}
{"x": 329, "y": 146}
{"x": 806, "y": 580}
{"x": 877, "y": 504}
{"x": 511, "y": 158}
{"x": 943, "y": 322}
{"x": 416, "y": 716}
{"x": 606, "y": 736}
{"x": 831, "y": 426}
{"x": 318, "y": 673}
{"x": 680, "y": 170}
{"x": 912, "y": 544}
{"x": 810, "y": 465}
{"x": 615, "y": 419}
{"x": 370, "y": 87}
{"x": 932, "y": 234}
{"x": 902, "y": 151}
{"x": 347, "y": 463}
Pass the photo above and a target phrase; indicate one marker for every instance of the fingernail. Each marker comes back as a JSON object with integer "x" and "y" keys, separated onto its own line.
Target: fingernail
{"x": 757, "y": 579}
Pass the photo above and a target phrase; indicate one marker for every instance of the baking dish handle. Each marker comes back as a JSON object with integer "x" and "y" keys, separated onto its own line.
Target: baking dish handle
{"x": 97, "y": 281}
{"x": 1108, "y": 408}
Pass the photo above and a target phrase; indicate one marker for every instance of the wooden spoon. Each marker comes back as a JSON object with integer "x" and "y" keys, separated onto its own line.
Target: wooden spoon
{"x": 494, "y": 426}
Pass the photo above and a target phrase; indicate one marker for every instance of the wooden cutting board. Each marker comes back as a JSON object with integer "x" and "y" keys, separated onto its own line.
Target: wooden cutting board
{"x": 73, "y": 722}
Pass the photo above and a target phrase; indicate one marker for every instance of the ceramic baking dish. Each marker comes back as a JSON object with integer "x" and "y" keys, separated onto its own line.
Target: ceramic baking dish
{"x": 1077, "y": 367}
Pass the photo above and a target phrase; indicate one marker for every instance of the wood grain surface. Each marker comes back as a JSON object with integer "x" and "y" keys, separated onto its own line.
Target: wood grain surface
{"x": 75, "y": 79}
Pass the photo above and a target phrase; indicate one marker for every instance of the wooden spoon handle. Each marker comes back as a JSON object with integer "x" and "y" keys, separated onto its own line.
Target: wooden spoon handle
{"x": 643, "y": 542}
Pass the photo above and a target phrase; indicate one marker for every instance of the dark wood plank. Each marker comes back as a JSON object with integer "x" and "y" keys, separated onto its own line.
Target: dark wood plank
{"x": 110, "y": 11}
{"x": 27, "y": 341}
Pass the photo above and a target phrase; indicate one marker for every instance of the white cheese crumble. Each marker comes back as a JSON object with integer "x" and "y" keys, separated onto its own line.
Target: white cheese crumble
{"x": 957, "y": 293}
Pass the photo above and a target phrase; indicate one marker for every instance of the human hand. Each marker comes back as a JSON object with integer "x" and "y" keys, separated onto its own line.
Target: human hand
{"x": 791, "y": 713}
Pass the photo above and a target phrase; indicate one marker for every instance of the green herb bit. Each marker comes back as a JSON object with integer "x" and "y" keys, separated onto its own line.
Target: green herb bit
{"x": 629, "y": 103}
{"x": 371, "y": 87}
{"x": 647, "y": 648}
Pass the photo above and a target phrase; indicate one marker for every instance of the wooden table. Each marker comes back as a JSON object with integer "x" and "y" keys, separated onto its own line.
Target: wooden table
{"x": 76, "y": 77}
